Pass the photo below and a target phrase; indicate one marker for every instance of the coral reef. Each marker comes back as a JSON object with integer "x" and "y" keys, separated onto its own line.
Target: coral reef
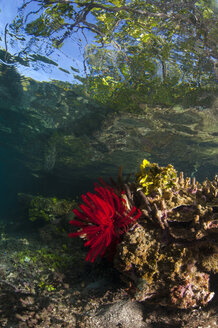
{"x": 169, "y": 229}
{"x": 160, "y": 230}
{"x": 167, "y": 257}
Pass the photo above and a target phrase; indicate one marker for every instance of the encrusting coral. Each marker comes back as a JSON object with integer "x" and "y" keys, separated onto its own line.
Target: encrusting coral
{"x": 165, "y": 233}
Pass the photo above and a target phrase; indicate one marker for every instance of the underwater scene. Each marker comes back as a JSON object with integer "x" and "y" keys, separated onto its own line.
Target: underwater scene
{"x": 108, "y": 164}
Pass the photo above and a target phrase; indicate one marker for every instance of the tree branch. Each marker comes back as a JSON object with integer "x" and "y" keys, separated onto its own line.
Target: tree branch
{"x": 129, "y": 9}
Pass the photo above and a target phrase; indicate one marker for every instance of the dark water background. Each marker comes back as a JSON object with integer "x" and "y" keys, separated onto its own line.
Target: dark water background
{"x": 56, "y": 139}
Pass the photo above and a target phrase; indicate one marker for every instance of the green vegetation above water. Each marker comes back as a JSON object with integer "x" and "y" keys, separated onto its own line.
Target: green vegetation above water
{"x": 153, "y": 52}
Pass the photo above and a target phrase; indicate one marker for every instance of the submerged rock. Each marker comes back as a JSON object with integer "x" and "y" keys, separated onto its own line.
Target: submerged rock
{"x": 121, "y": 314}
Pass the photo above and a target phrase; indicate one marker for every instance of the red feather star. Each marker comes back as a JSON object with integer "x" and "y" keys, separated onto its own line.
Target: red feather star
{"x": 103, "y": 218}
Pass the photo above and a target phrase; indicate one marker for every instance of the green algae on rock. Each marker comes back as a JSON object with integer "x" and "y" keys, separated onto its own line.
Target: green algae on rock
{"x": 48, "y": 209}
{"x": 167, "y": 257}
{"x": 51, "y": 214}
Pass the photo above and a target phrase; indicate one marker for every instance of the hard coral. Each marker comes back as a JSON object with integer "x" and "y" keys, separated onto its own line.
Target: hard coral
{"x": 163, "y": 274}
{"x": 168, "y": 257}
{"x": 103, "y": 218}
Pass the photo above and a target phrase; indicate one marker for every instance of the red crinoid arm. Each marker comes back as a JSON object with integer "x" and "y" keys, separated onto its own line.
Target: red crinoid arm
{"x": 101, "y": 191}
{"x": 95, "y": 203}
{"x": 106, "y": 194}
{"x": 81, "y": 215}
{"x": 78, "y": 223}
{"x": 110, "y": 196}
{"x": 102, "y": 183}
{"x": 107, "y": 242}
{"x": 129, "y": 218}
{"x": 82, "y": 225}
{"x": 89, "y": 212}
{"x": 86, "y": 217}
{"x": 109, "y": 234}
{"x": 98, "y": 246}
{"x": 103, "y": 206}
{"x": 136, "y": 216}
{"x": 119, "y": 205}
{"x": 93, "y": 253}
{"x": 74, "y": 234}
{"x": 99, "y": 237}
{"x": 87, "y": 201}
{"x": 89, "y": 231}
{"x": 99, "y": 215}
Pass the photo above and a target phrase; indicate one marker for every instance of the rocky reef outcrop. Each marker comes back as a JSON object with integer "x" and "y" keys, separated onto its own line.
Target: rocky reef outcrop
{"x": 159, "y": 231}
{"x": 167, "y": 257}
